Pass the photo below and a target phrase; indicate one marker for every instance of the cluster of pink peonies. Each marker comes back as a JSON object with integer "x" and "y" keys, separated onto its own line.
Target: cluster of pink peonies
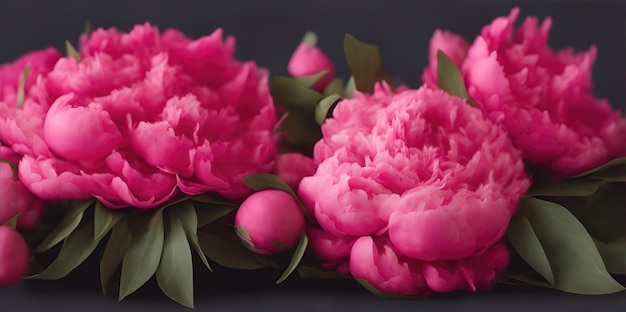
{"x": 542, "y": 98}
{"x": 138, "y": 117}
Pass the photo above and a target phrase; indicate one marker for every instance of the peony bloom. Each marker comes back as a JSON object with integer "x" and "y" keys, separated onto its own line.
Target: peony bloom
{"x": 15, "y": 197}
{"x": 272, "y": 219}
{"x": 141, "y": 116}
{"x": 308, "y": 60}
{"x": 420, "y": 181}
{"x": 14, "y": 256}
{"x": 543, "y": 98}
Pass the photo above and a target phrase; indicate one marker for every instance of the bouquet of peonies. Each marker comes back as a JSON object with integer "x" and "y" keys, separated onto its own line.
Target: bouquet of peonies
{"x": 502, "y": 167}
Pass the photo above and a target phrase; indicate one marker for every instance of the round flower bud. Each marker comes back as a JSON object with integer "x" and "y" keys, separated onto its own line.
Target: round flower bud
{"x": 13, "y": 256}
{"x": 272, "y": 220}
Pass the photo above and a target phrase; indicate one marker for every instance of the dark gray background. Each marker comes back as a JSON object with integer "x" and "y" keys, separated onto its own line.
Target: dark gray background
{"x": 268, "y": 32}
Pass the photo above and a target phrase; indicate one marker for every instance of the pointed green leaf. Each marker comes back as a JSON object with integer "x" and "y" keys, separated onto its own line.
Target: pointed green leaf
{"x": 298, "y": 128}
{"x": 449, "y": 78}
{"x": 365, "y": 62}
{"x": 522, "y": 237}
{"x": 293, "y": 93}
{"x": 605, "y": 213}
{"x": 71, "y": 51}
{"x": 76, "y": 248}
{"x": 529, "y": 278}
{"x": 613, "y": 254}
{"x": 21, "y": 92}
{"x": 87, "y": 30}
{"x": 210, "y": 213}
{"x": 229, "y": 253}
{"x": 175, "y": 272}
{"x": 336, "y": 85}
{"x": 105, "y": 219}
{"x": 310, "y": 38}
{"x": 615, "y": 165}
{"x": 207, "y": 198}
{"x": 113, "y": 255}
{"x": 12, "y": 222}
{"x": 310, "y": 80}
{"x": 348, "y": 91}
{"x": 186, "y": 213}
{"x": 324, "y": 108}
{"x": 296, "y": 258}
{"x": 68, "y": 224}
{"x": 574, "y": 187}
{"x": 574, "y": 260}
{"x": 144, "y": 253}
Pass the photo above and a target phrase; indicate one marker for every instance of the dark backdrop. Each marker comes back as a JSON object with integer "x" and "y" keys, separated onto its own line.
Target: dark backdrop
{"x": 268, "y": 32}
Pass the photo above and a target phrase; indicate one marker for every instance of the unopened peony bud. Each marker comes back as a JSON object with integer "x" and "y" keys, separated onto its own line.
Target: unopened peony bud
{"x": 13, "y": 256}
{"x": 308, "y": 59}
{"x": 272, "y": 220}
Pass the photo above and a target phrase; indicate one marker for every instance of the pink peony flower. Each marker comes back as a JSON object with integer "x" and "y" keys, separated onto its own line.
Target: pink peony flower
{"x": 309, "y": 60}
{"x": 15, "y": 197}
{"x": 543, "y": 98}
{"x": 270, "y": 217}
{"x": 142, "y": 116}
{"x": 292, "y": 167}
{"x": 14, "y": 256}
{"x": 422, "y": 178}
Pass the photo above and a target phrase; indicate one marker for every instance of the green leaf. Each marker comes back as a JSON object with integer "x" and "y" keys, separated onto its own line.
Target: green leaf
{"x": 113, "y": 255}
{"x": 293, "y": 93}
{"x": 87, "y": 29}
{"x": 615, "y": 166}
{"x": 348, "y": 91}
{"x": 210, "y": 213}
{"x": 12, "y": 222}
{"x": 522, "y": 237}
{"x": 229, "y": 253}
{"x": 186, "y": 213}
{"x": 449, "y": 78}
{"x": 575, "y": 263}
{"x": 295, "y": 259}
{"x": 175, "y": 272}
{"x": 144, "y": 252}
{"x": 266, "y": 181}
{"x": 324, "y": 109}
{"x": 71, "y": 51}
{"x": 68, "y": 224}
{"x": 310, "y": 80}
{"x": 334, "y": 86}
{"x": 298, "y": 128}
{"x": 605, "y": 213}
{"x": 310, "y": 38}
{"x": 105, "y": 219}
{"x": 613, "y": 254}
{"x": 21, "y": 92}
{"x": 574, "y": 187}
{"x": 365, "y": 63}
{"x": 76, "y": 248}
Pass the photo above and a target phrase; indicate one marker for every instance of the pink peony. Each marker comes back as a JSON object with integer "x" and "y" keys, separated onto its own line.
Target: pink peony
{"x": 421, "y": 179}
{"x": 543, "y": 98}
{"x": 14, "y": 256}
{"x": 15, "y": 197}
{"x": 270, "y": 217}
{"x": 309, "y": 60}
{"x": 142, "y": 116}
{"x": 292, "y": 167}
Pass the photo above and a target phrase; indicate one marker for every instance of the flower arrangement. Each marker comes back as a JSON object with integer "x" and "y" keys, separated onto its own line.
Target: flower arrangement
{"x": 503, "y": 167}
